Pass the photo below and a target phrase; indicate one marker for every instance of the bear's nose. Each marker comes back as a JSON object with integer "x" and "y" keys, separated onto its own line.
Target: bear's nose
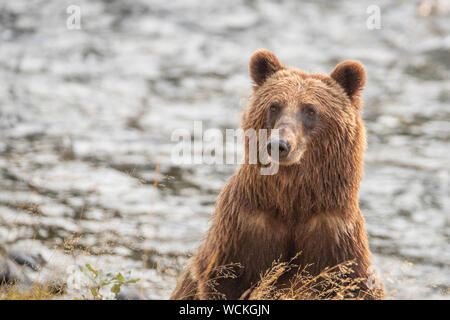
{"x": 283, "y": 147}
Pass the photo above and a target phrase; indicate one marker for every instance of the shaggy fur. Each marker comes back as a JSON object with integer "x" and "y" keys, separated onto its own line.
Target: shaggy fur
{"x": 310, "y": 205}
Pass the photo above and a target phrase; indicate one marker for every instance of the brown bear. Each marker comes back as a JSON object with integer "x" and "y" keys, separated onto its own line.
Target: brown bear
{"x": 308, "y": 211}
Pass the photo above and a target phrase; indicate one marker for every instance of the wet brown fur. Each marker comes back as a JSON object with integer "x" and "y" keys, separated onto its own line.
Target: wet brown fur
{"x": 310, "y": 206}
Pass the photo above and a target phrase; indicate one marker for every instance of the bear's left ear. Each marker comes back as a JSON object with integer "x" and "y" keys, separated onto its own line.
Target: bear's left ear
{"x": 263, "y": 64}
{"x": 351, "y": 76}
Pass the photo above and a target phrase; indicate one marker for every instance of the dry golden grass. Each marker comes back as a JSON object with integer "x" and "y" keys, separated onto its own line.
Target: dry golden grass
{"x": 333, "y": 283}
{"x": 37, "y": 292}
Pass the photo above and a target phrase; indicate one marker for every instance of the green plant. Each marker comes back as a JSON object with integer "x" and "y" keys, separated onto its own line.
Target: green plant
{"x": 99, "y": 280}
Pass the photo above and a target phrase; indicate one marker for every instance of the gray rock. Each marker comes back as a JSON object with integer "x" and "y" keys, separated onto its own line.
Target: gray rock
{"x": 21, "y": 269}
{"x": 12, "y": 273}
{"x": 129, "y": 294}
{"x": 33, "y": 262}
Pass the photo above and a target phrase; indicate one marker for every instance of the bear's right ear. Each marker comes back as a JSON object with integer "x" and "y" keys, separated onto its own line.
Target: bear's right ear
{"x": 263, "y": 64}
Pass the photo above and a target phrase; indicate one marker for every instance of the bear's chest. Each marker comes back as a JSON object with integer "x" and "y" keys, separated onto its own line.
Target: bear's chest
{"x": 317, "y": 238}
{"x": 264, "y": 238}
{"x": 324, "y": 240}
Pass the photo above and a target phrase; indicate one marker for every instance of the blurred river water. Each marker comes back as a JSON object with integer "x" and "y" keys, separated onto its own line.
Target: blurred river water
{"x": 87, "y": 115}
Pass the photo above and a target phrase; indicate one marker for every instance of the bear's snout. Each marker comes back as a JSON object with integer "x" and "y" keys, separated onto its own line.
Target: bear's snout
{"x": 281, "y": 145}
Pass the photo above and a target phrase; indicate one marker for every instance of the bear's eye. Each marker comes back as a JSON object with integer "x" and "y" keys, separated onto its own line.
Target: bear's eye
{"x": 310, "y": 110}
{"x": 274, "y": 106}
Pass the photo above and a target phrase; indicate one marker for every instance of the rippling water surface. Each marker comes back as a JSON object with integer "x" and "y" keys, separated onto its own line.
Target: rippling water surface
{"x": 86, "y": 115}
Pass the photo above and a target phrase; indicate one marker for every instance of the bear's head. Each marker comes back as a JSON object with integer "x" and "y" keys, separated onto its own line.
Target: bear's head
{"x": 317, "y": 115}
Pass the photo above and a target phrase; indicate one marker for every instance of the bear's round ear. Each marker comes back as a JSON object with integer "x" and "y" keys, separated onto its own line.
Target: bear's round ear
{"x": 351, "y": 76}
{"x": 263, "y": 64}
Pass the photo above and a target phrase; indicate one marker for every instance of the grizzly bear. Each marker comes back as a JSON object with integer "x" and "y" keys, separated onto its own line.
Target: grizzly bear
{"x": 308, "y": 211}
